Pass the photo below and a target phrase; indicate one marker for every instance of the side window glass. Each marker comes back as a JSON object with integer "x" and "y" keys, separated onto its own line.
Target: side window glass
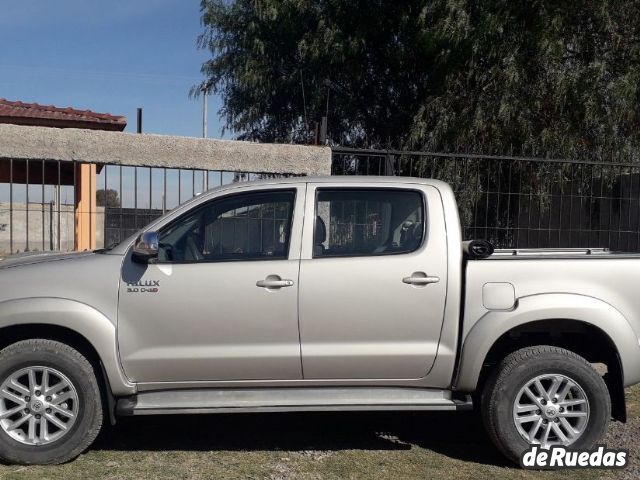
{"x": 357, "y": 222}
{"x": 253, "y": 226}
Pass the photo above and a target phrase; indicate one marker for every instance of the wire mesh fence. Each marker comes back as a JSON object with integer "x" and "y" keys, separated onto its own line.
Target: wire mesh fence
{"x": 522, "y": 202}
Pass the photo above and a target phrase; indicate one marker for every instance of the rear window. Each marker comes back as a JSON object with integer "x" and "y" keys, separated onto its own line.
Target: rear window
{"x": 368, "y": 222}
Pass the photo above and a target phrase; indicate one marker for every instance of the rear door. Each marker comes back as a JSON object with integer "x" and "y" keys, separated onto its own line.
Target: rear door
{"x": 373, "y": 278}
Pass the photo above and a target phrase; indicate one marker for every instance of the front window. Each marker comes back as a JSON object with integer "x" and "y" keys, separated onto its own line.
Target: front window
{"x": 253, "y": 226}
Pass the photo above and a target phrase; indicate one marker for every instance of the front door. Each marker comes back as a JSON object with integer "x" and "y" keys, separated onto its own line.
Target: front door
{"x": 373, "y": 279}
{"x": 221, "y": 301}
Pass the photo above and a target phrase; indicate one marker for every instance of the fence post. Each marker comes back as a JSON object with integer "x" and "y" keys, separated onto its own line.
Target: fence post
{"x": 390, "y": 165}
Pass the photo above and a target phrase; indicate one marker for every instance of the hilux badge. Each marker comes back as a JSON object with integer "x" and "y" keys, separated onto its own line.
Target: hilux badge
{"x": 143, "y": 286}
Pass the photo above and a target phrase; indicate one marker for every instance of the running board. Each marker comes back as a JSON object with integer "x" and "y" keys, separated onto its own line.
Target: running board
{"x": 288, "y": 400}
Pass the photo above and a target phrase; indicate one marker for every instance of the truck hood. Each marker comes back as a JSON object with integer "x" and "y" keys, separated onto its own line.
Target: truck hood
{"x": 30, "y": 258}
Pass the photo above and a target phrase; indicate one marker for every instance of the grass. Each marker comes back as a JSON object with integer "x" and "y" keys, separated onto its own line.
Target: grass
{"x": 298, "y": 446}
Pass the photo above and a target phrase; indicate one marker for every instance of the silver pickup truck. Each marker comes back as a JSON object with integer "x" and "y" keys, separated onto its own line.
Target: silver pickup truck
{"x": 335, "y": 293}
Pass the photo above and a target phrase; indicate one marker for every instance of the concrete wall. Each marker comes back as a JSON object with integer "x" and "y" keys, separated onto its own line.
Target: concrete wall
{"x": 39, "y": 224}
{"x": 161, "y": 151}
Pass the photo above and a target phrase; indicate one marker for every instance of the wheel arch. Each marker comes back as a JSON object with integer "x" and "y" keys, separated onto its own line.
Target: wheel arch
{"x": 71, "y": 322}
{"x": 585, "y": 325}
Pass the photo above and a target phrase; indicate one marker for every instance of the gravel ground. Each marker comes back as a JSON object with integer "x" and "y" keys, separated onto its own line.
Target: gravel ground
{"x": 628, "y": 436}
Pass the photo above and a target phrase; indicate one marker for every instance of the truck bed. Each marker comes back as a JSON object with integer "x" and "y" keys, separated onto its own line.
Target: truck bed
{"x": 590, "y": 272}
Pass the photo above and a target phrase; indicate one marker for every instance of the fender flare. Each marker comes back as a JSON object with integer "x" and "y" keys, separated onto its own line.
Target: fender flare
{"x": 593, "y": 311}
{"x": 83, "y": 319}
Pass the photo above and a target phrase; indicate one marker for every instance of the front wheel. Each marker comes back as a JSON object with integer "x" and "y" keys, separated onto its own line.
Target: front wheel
{"x": 50, "y": 404}
{"x": 545, "y": 396}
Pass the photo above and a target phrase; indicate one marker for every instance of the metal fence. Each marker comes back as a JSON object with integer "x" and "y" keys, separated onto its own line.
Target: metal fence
{"x": 154, "y": 191}
{"x": 521, "y": 202}
{"x": 43, "y": 203}
{"x": 511, "y": 201}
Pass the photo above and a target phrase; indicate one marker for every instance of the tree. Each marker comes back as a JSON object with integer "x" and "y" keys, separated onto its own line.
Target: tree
{"x": 107, "y": 198}
{"x": 277, "y": 62}
{"x": 557, "y": 78}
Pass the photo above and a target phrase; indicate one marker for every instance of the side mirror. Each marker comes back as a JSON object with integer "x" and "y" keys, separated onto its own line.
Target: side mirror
{"x": 146, "y": 247}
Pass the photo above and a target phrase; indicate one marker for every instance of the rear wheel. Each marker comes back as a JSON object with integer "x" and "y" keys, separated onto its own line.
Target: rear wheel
{"x": 50, "y": 403}
{"x": 545, "y": 396}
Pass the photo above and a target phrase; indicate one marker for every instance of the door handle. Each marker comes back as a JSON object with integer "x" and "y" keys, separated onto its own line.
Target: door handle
{"x": 273, "y": 281}
{"x": 420, "y": 278}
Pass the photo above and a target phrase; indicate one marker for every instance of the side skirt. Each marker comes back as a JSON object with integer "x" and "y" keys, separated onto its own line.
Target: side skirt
{"x": 289, "y": 400}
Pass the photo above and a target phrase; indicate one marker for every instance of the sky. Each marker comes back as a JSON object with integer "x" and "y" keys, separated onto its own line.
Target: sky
{"x": 109, "y": 56}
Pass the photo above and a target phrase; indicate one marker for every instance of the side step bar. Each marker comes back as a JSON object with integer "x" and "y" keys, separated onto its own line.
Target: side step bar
{"x": 288, "y": 400}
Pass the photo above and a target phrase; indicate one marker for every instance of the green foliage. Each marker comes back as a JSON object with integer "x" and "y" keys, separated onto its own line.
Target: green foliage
{"x": 548, "y": 78}
{"x": 107, "y": 198}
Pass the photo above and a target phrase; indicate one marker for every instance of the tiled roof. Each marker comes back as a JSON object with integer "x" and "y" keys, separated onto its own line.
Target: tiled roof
{"x": 48, "y": 115}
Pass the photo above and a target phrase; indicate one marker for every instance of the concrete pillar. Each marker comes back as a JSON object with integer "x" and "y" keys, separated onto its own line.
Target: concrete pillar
{"x": 85, "y": 237}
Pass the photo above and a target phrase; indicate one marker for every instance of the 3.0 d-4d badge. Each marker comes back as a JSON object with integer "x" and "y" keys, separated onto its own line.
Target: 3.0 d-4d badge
{"x": 147, "y": 286}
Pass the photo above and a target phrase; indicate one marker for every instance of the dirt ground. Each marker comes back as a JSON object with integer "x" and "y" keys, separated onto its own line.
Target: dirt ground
{"x": 313, "y": 446}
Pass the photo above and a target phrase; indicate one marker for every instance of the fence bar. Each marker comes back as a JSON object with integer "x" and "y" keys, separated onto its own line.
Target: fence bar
{"x": 26, "y": 249}
{"x": 135, "y": 196}
{"x": 75, "y": 203}
{"x": 42, "y": 200}
{"x": 121, "y": 229}
{"x": 105, "y": 206}
{"x": 92, "y": 204}
{"x": 58, "y": 197}
{"x": 11, "y": 205}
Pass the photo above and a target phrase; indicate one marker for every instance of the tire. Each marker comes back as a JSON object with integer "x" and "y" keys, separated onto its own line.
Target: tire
{"x": 506, "y": 389}
{"x": 76, "y": 404}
